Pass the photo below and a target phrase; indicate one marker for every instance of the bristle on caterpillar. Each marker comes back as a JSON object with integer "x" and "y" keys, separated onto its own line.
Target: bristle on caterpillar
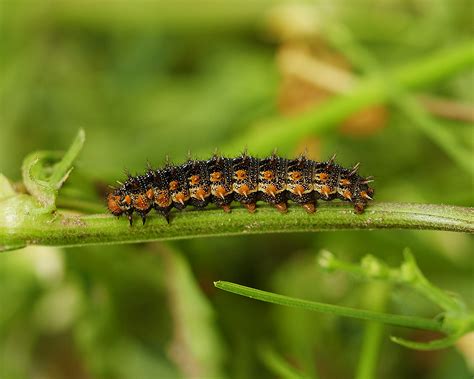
{"x": 244, "y": 179}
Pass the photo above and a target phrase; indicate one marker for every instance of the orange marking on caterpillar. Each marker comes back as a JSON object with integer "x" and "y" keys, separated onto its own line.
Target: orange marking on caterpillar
{"x": 345, "y": 182}
{"x": 200, "y": 194}
{"x": 322, "y": 176}
{"x": 241, "y": 174}
{"x": 325, "y": 190}
{"x": 220, "y": 191}
{"x": 113, "y": 204}
{"x": 268, "y": 175}
{"x": 173, "y": 185}
{"x": 194, "y": 180}
{"x": 215, "y": 177}
{"x": 347, "y": 195}
{"x": 244, "y": 190}
{"x": 295, "y": 175}
{"x": 163, "y": 200}
{"x": 150, "y": 194}
{"x": 365, "y": 195}
{"x": 299, "y": 190}
{"x": 271, "y": 190}
{"x": 141, "y": 203}
{"x": 179, "y": 197}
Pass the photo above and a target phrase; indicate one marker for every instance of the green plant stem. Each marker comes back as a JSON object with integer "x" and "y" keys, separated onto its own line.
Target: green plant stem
{"x": 408, "y": 274}
{"x": 367, "y": 364}
{"x": 67, "y": 229}
{"x": 405, "y": 102}
{"x": 361, "y": 314}
{"x": 376, "y": 296}
{"x": 412, "y": 275}
{"x": 286, "y": 131}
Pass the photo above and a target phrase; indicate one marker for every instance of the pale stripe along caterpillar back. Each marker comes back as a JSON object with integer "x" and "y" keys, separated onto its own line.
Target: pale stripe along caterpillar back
{"x": 245, "y": 179}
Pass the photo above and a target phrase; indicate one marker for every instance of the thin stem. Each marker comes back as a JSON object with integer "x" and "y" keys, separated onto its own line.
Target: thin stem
{"x": 408, "y": 274}
{"x": 361, "y": 314}
{"x": 367, "y": 364}
{"x": 412, "y": 275}
{"x": 64, "y": 229}
{"x": 405, "y": 102}
{"x": 376, "y": 296}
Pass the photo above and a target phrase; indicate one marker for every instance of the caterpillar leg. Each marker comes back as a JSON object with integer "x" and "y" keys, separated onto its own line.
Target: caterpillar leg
{"x": 251, "y": 207}
{"x": 130, "y": 218}
{"x": 309, "y": 207}
{"x": 306, "y": 200}
{"x": 143, "y": 214}
{"x": 165, "y": 213}
{"x": 282, "y": 207}
{"x": 359, "y": 207}
{"x": 226, "y": 208}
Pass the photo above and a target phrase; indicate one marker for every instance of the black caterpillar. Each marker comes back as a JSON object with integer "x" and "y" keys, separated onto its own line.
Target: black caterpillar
{"x": 245, "y": 179}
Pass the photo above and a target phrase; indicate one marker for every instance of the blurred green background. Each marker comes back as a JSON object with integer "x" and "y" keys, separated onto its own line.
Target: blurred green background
{"x": 150, "y": 79}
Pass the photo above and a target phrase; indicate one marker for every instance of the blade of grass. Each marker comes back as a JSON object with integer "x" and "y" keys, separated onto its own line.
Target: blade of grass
{"x": 361, "y": 314}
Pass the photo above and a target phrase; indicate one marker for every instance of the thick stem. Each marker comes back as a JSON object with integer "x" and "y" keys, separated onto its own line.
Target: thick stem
{"x": 63, "y": 229}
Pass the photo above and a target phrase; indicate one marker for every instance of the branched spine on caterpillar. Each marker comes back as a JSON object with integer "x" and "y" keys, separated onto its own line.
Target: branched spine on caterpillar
{"x": 245, "y": 179}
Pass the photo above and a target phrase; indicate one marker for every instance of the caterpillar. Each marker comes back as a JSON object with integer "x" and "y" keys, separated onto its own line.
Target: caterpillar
{"x": 245, "y": 179}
